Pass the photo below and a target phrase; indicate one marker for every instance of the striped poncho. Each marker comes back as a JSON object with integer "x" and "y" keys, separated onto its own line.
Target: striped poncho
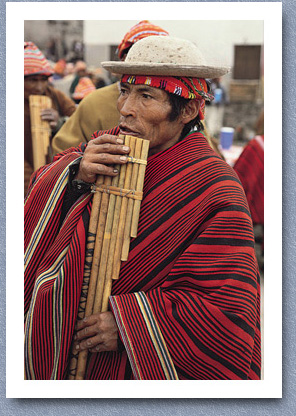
{"x": 250, "y": 170}
{"x": 187, "y": 303}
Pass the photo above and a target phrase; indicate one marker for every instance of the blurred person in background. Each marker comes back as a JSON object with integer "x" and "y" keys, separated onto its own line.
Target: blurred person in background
{"x": 59, "y": 69}
{"x": 98, "y": 77}
{"x": 63, "y": 84}
{"x": 80, "y": 70}
{"x": 84, "y": 87}
{"x": 37, "y": 71}
{"x": 98, "y": 111}
{"x": 250, "y": 170}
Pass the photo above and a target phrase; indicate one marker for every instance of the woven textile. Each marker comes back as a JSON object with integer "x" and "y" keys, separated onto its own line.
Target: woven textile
{"x": 187, "y": 302}
{"x": 250, "y": 169}
{"x": 35, "y": 62}
{"x": 189, "y": 88}
{"x": 137, "y": 32}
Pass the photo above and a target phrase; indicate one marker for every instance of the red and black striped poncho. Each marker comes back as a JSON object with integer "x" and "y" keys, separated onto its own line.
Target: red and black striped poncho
{"x": 187, "y": 302}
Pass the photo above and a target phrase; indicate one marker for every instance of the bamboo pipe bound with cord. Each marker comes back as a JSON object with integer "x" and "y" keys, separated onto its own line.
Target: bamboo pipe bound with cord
{"x": 111, "y": 222}
{"x": 40, "y": 129}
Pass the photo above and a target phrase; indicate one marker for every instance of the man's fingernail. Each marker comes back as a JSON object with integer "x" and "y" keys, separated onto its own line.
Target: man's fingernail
{"x": 119, "y": 141}
{"x": 115, "y": 170}
{"x": 125, "y": 148}
{"x": 77, "y": 347}
{"x": 123, "y": 158}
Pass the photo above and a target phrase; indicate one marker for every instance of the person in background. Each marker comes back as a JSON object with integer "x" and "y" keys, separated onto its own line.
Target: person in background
{"x": 250, "y": 169}
{"x": 80, "y": 70}
{"x": 59, "y": 69}
{"x": 98, "y": 111}
{"x": 98, "y": 77}
{"x": 63, "y": 84}
{"x": 186, "y": 304}
{"x": 37, "y": 71}
{"x": 84, "y": 87}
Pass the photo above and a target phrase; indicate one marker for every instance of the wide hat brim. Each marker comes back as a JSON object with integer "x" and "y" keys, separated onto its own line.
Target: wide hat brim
{"x": 163, "y": 69}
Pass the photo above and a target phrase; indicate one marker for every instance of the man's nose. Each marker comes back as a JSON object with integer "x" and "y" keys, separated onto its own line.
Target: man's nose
{"x": 127, "y": 107}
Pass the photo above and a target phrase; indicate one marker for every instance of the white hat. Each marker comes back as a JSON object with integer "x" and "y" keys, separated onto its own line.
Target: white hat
{"x": 167, "y": 56}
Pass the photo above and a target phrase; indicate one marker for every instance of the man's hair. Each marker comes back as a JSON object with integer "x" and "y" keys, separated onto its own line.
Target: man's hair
{"x": 178, "y": 104}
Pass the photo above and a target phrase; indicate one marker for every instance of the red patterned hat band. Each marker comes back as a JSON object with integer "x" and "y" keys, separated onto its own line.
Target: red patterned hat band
{"x": 188, "y": 88}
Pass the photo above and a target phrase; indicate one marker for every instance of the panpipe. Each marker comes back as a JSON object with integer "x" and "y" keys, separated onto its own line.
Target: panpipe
{"x": 40, "y": 129}
{"x": 113, "y": 221}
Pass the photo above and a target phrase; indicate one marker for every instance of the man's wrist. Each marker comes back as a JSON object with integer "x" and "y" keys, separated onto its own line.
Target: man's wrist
{"x": 80, "y": 186}
{"x": 77, "y": 185}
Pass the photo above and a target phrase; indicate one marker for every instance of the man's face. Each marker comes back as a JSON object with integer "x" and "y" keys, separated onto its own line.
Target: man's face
{"x": 144, "y": 112}
{"x": 35, "y": 85}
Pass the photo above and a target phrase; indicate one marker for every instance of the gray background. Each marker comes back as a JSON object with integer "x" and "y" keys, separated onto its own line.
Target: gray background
{"x": 209, "y": 407}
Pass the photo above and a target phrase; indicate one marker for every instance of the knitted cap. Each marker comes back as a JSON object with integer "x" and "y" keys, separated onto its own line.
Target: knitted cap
{"x": 35, "y": 62}
{"x": 137, "y": 32}
{"x": 84, "y": 87}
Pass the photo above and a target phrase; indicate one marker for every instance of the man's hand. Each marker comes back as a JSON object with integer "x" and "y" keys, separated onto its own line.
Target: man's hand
{"x": 99, "y": 154}
{"x": 97, "y": 333}
{"x": 50, "y": 115}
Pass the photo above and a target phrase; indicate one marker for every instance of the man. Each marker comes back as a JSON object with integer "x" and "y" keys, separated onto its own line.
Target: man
{"x": 80, "y": 70}
{"x": 187, "y": 302}
{"x": 37, "y": 71}
{"x": 99, "y": 111}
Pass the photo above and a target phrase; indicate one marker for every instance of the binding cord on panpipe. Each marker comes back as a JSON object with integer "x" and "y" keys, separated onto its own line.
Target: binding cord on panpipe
{"x": 113, "y": 221}
{"x": 40, "y": 129}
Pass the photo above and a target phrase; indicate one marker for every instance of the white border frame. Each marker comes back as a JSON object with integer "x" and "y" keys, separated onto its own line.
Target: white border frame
{"x": 271, "y": 386}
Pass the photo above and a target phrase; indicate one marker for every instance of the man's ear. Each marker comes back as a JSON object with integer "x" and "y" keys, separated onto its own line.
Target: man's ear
{"x": 190, "y": 111}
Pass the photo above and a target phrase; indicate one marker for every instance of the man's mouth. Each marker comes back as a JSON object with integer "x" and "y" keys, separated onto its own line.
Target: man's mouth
{"x": 126, "y": 130}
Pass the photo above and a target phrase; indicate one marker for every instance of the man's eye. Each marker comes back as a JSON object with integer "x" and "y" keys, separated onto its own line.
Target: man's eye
{"x": 146, "y": 96}
{"x": 122, "y": 91}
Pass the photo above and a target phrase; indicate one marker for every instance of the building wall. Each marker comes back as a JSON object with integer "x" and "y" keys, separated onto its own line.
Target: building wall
{"x": 215, "y": 38}
{"x": 63, "y": 32}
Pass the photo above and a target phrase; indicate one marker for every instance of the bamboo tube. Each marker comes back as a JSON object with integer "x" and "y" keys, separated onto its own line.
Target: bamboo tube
{"x": 130, "y": 204}
{"x": 40, "y": 129}
{"x": 108, "y": 277}
{"x": 82, "y": 357}
{"x": 90, "y": 244}
{"x": 140, "y": 183}
{"x": 119, "y": 240}
{"x": 115, "y": 230}
{"x": 105, "y": 247}
{"x": 93, "y": 297}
